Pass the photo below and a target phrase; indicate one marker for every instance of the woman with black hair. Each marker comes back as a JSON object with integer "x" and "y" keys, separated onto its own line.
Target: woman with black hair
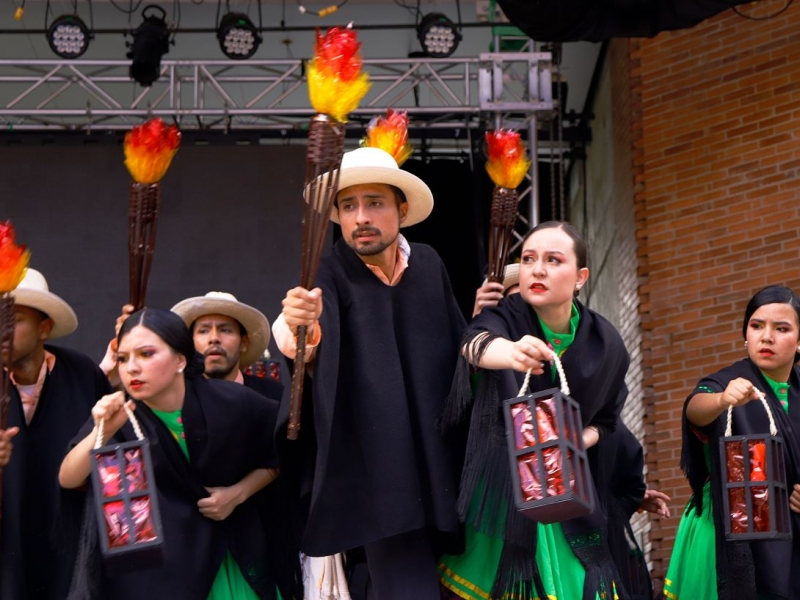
{"x": 507, "y": 554}
{"x": 204, "y": 435}
{"x": 705, "y": 565}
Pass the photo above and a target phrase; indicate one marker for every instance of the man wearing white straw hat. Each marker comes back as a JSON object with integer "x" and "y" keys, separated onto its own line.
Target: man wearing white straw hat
{"x": 52, "y": 394}
{"x": 231, "y": 336}
{"x": 384, "y": 337}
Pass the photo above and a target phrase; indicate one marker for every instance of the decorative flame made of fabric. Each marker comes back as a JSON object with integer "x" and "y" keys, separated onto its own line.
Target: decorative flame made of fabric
{"x": 390, "y": 134}
{"x": 149, "y": 149}
{"x": 336, "y": 83}
{"x": 508, "y": 159}
{"x": 14, "y": 259}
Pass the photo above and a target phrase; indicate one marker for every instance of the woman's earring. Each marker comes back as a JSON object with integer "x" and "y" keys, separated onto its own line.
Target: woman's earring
{"x": 745, "y": 343}
{"x": 180, "y": 370}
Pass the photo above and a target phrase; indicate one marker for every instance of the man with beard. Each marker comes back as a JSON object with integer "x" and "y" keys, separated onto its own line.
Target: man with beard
{"x": 383, "y": 334}
{"x": 52, "y": 393}
{"x": 231, "y": 336}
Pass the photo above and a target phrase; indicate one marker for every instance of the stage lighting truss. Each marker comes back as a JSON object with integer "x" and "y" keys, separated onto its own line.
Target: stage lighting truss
{"x": 438, "y": 35}
{"x": 68, "y": 36}
{"x": 238, "y": 37}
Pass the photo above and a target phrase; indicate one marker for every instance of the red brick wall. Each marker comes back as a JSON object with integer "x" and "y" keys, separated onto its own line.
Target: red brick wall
{"x": 716, "y": 162}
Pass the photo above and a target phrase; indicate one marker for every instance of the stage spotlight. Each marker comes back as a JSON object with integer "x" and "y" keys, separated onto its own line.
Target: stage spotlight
{"x": 438, "y": 35}
{"x": 238, "y": 37}
{"x": 150, "y": 43}
{"x": 68, "y": 36}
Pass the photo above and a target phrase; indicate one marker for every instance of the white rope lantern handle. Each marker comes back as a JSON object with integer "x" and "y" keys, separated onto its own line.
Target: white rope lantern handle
{"x": 773, "y": 429}
{"x": 98, "y": 443}
{"x": 561, "y": 376}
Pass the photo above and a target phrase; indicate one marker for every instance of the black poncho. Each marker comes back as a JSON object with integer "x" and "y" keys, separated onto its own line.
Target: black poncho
{"x": 376, "y": 464}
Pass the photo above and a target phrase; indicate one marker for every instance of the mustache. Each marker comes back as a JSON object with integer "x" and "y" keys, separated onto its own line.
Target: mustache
{"x": 216, "y": 349}
{"x": 362, "y": 230}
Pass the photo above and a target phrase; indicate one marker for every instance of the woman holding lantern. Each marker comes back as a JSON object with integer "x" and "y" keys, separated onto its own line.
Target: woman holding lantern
{"x": 769, "y": 568}
{"x": 508, "y": 553}
{"x": 207, "y": 439}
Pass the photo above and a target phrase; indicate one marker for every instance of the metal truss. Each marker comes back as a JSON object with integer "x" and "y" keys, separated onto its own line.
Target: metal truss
{"x": 270, "y": 98}
{"x": 98, "y": 95}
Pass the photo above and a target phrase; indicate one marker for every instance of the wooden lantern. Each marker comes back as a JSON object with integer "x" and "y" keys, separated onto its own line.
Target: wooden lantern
{"x": 550, "y": 473}
{"x": 755, "y": 495}
{"x": 126, "y": 504}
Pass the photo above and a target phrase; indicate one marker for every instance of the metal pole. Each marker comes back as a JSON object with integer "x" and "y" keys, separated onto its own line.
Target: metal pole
{"x": 533, "y": 197}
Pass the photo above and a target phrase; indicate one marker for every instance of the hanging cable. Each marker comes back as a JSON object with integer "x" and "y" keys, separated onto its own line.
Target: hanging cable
{"x": 560, "y": 141}
{"x": 766, "y": 18}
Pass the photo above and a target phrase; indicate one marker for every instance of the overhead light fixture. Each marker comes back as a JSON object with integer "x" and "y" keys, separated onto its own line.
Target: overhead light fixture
{"x": 238, "y": 37}
{"x": 438, "y": 35}
{"x": 150, "y": 43}
{"x": 68, "y": 36}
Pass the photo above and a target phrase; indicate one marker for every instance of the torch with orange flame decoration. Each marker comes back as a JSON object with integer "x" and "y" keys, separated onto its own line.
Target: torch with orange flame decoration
{"x": 13, "y": 264}
{"x": 336, "y": 84}
{"x": 390, "y": 134}
{"x": 507, "y": 165}
{"x": 149, "y": 149}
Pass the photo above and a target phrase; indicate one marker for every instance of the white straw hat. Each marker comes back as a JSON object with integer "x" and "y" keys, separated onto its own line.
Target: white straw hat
{"x": 373, "y": 165}
{"x": 510, "y": 276}
{"x": 222, "y": 303}
{"x": 34, "y": 292}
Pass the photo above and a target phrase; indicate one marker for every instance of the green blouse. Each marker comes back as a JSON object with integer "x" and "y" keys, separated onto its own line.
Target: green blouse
{"x": 781, "y": 392}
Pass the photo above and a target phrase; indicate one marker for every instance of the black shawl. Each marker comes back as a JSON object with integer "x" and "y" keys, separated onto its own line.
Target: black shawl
{"x": 375, "y": 464}
{"x": 767, "y": 569}
{"x": 228, "y": 434}
{"x": 620, "y": 465}
{"x": 595, "y": 365}
{"x": 266, "y": 386}
{"x": 33, "y": 564}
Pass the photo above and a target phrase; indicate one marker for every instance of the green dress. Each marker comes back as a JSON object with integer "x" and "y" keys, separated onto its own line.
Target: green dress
{"x": 229, "y": 583}
{"x": 694, "y": 555}
{"x": 471, "y": 575}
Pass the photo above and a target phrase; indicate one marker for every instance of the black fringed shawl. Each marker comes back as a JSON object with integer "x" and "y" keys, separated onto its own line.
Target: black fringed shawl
{"x": 595, "y": 365}
{"x": 768, "y": 569}
{"x": 620, "y": 465}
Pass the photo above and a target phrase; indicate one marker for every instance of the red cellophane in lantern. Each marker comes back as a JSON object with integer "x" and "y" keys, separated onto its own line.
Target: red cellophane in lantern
{"x": 126, "y": 504}
{"x": 549, "y": 468}
{"x": 755, "y": 492}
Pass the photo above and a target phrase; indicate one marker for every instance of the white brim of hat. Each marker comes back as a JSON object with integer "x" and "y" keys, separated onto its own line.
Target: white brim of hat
{"x": 252, "y": 320}
{"x": 510, "y": 276}
{"x": 65, "y": 321}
